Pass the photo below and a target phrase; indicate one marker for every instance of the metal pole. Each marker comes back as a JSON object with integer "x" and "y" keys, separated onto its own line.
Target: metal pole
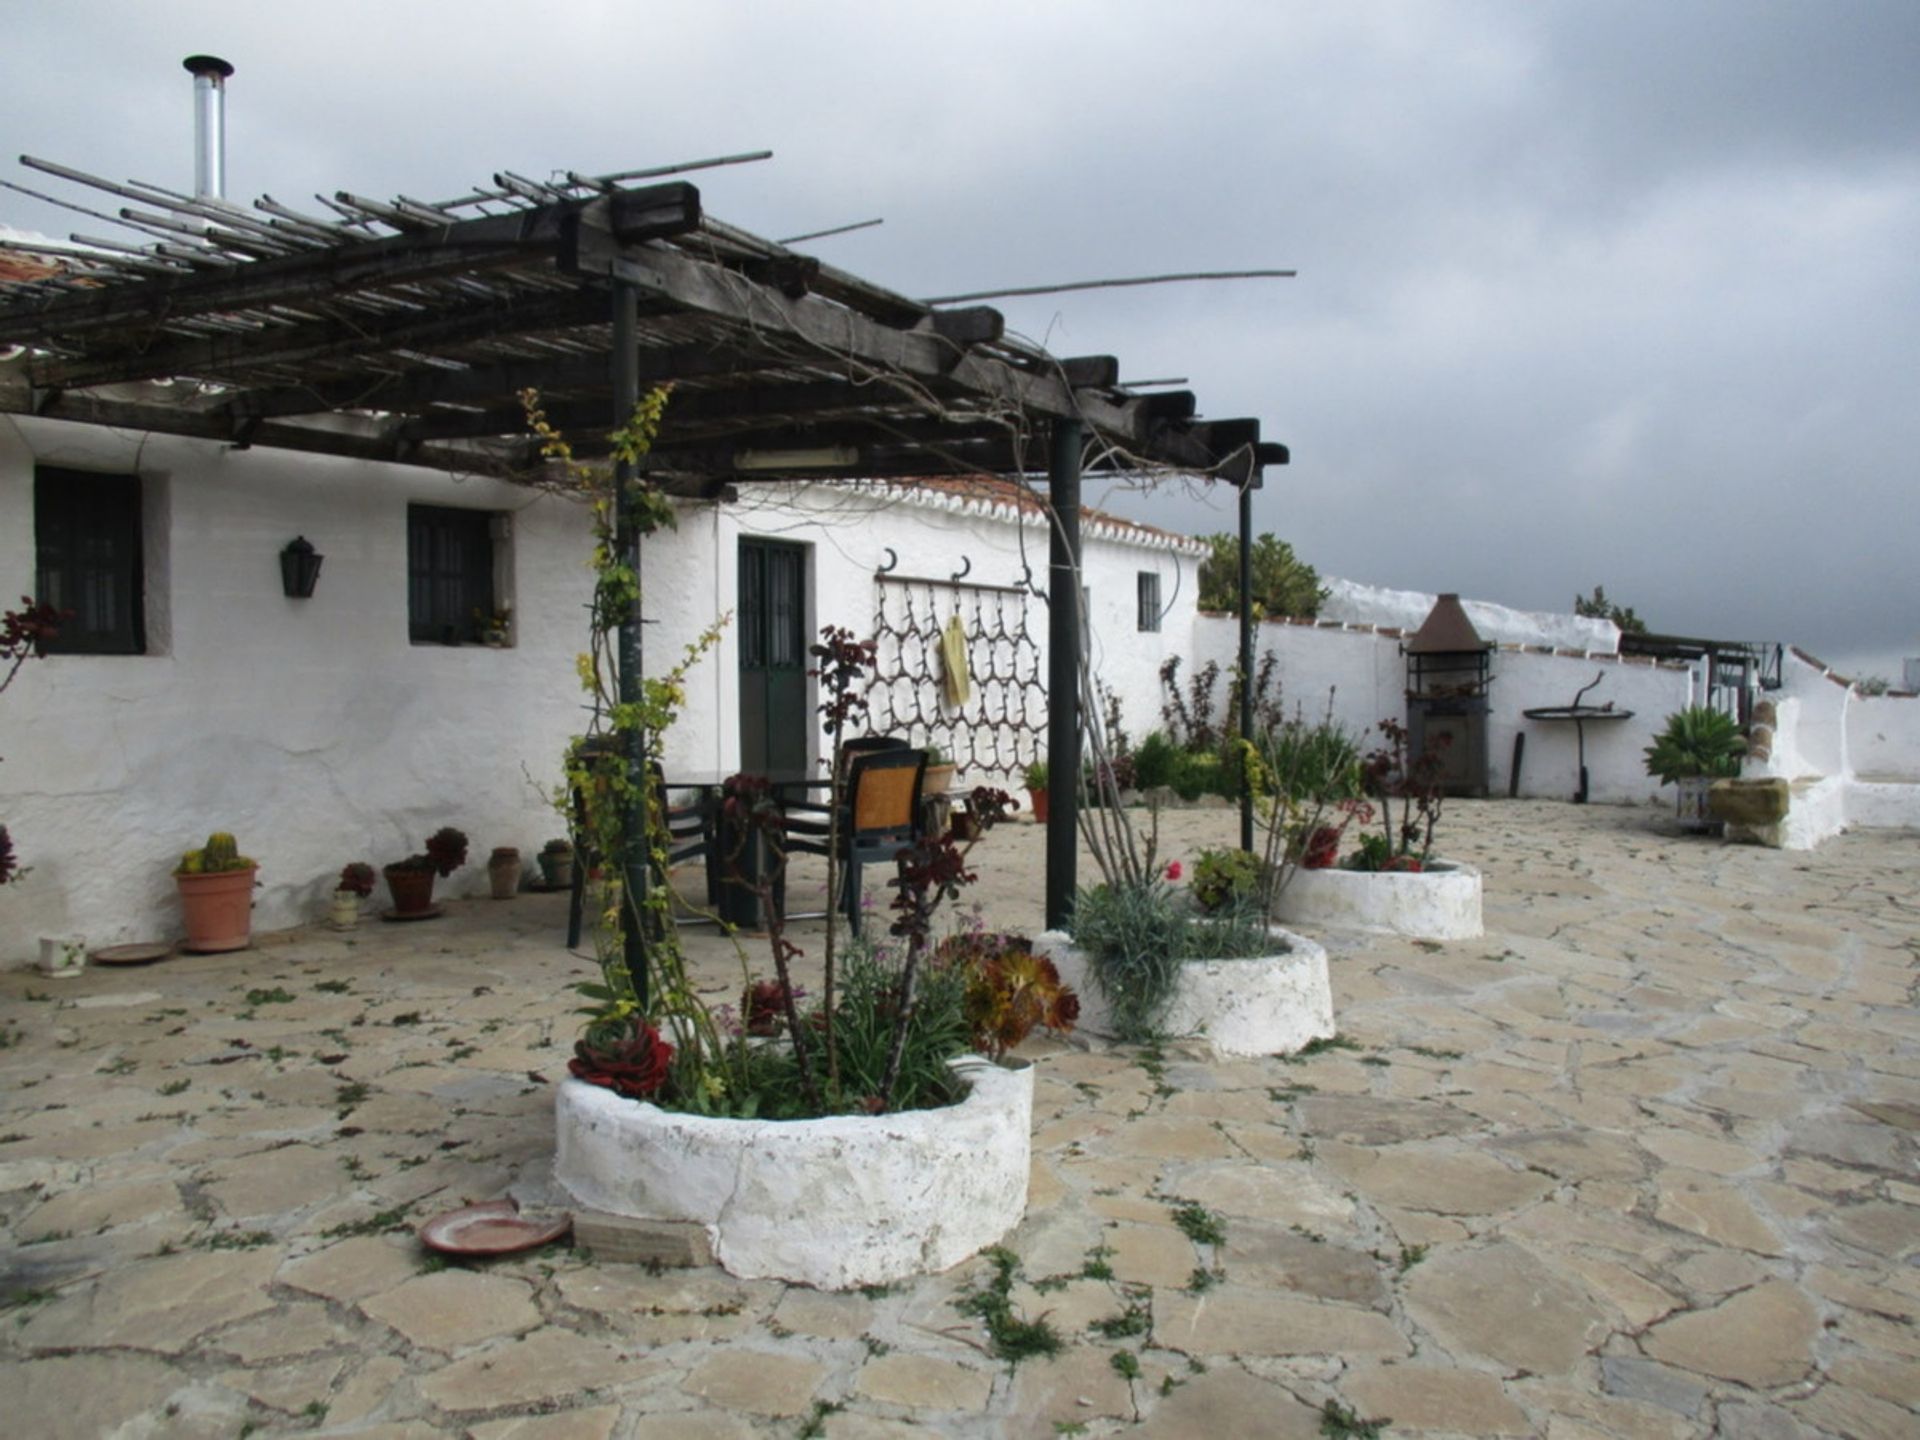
{"x": 1246, "y": 650}
{"x": 1063, "y": 673}
{"x": 633, "y": 863}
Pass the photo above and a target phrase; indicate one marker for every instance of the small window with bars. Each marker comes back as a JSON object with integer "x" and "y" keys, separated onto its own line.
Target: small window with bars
{"x": 449, "y": 575}
{"x": 1149, "y": 592}
{"x": 88, "y": 560}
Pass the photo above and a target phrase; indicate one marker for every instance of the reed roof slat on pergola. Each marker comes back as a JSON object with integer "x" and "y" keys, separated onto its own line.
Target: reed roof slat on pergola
{"x": 404, "y": 331}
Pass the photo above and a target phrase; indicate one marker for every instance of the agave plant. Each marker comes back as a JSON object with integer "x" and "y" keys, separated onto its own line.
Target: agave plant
{"x": 1698, "y": 741}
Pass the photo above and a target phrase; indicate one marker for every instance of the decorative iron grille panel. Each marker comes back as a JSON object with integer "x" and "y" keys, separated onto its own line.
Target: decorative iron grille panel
{"x": 1002, "y": 726}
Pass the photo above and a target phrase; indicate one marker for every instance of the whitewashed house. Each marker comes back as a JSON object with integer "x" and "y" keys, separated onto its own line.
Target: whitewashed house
{"x": 191, "y": 694}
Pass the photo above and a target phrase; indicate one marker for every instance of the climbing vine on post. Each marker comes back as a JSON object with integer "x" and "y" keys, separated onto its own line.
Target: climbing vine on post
{"x": 598, "y": 766}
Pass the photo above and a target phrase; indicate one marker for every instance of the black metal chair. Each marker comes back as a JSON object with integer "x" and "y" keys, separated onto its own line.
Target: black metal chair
{"x": 810, "y": 818}
{"x": 690, "y": 835}
{"x": 881, "y": 817}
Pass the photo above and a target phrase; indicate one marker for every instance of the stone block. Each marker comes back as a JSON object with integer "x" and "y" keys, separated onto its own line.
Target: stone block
{"x": 677, "y": 1244}
{"x": 1748, "y": 802}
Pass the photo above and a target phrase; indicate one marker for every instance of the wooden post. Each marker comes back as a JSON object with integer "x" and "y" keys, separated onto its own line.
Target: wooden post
{"x": 1063, "y": 673}
{"x": 625, "y": 367}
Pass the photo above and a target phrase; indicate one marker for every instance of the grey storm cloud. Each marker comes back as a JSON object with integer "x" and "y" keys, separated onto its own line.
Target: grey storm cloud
{"x": 1615, "y": 293}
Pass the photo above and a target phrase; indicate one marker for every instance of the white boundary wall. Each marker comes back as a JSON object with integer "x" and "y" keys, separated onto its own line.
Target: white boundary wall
{"x": 1852, "y": 760}
{"x": 1366, "y": 671}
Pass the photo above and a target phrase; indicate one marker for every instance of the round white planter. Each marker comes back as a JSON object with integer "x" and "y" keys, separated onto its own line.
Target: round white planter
{"x": 836, "y": 1203}
{"x": 1441, "y": 902}
{"x": 1269, "y": 1005}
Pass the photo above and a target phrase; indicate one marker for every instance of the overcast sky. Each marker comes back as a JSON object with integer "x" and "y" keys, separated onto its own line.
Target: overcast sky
{"x": 1602, "y": 293}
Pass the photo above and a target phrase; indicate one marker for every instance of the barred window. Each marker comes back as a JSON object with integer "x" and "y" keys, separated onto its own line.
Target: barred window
{"x": 1149, "y": 600}
{"x": 88, "y": 560}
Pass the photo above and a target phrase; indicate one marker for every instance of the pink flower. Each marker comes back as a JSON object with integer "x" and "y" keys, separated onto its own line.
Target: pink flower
{"x": 1173, "y": 870}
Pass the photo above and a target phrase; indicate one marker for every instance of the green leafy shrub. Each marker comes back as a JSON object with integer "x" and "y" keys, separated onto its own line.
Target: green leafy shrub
{"x": 1697, "y": 741}
{"x": 1155, "y": 760}
{"x": 1223, "y": 876}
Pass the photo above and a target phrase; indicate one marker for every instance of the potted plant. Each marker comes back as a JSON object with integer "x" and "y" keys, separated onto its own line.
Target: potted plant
{"x": 216, "y": 895}
{"x": 496, "y": 626}
{"x": 410, "y": 881}
{"x": 1392, "y": 881}
{"x": 355, "y": 885}
{"x": 556, "y": 864}
{"x": 503, "y": 872}
{"x": 1035, "y": 779}
{"x": 1698, "y": 746}
{"x": 1151, "y": 963}
{"x": 939, "y": 777}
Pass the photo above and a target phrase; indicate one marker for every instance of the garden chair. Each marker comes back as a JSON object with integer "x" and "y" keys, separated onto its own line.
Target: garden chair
{"x": 881, "y": 817}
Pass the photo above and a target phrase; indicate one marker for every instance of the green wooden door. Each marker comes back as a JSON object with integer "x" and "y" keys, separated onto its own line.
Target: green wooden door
{"x": 774, "y": 723}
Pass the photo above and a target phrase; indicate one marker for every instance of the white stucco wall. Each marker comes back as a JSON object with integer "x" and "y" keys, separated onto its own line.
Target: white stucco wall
{"x": 1353, "y": 603}
{"x": 1367, "y": 674}
{"x": 1883, "y": 737}
{"x": 312, "y": 729}
{"x": 849, "y": 529}
{"x": 1819, "y": 731}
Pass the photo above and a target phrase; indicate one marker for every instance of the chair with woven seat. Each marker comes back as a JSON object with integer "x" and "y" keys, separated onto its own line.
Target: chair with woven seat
{"x": 881, "y": 817}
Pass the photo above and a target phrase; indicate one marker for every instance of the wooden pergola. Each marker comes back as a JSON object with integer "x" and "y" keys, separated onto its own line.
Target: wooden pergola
{"x": 403, "y": 332}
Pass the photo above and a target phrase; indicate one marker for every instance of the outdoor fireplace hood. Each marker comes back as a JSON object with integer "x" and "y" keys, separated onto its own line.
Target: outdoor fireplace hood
{"x": 1446, "y": 630}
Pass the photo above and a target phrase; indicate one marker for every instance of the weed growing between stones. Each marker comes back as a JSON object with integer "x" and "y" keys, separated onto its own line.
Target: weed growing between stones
{"x": 1010, "y": 1337}
{"x": 1319, "y": 1046}
{"x": 1337, "y": 1422}
{"x": 1199, "y": 1224}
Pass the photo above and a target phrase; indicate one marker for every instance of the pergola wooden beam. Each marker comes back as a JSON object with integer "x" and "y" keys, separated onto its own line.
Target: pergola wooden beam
{"x": 461, "y": 247}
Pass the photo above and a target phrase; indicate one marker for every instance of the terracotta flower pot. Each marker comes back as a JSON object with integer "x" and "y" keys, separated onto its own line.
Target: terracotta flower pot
{"x": 218, "y": 909}
{"x": 412, "y": 890}
{"x": 557, "y": 867}
{"x": 1038, "y": 798}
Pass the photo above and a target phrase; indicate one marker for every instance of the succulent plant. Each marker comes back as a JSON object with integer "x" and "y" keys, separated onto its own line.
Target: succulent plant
{"x": 623, "y": 1053}
{"x": 220, "y": 855}
{"x": 356, "y": 877}
{"x": 446, "y": 852}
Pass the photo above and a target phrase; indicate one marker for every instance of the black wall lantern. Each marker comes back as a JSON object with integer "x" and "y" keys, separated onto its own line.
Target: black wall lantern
{"x": 299, "y": 568}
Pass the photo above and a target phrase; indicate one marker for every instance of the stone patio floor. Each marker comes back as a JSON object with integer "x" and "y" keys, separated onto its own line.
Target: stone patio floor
{"x": 1639, "y": 1163}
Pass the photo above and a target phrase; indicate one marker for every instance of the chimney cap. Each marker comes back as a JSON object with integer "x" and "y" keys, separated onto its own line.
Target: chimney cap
{"x": 198, "y": 65}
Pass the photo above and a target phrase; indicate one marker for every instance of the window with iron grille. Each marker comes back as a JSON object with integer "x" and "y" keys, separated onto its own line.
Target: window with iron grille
{"x": 88, "y": 561}
{"x": 449, "y": 574}
{"x": 1149, "y": 600}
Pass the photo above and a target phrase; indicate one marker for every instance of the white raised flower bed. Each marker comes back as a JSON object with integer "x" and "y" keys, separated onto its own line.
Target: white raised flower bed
{"x": 1268, "y": 1005}
{"x": 1441, "y": 902}
{"x": 836, "y": 1203}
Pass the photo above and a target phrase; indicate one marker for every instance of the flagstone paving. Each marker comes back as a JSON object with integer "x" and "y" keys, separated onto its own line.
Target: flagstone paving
{"x": 1641, "y": 1162}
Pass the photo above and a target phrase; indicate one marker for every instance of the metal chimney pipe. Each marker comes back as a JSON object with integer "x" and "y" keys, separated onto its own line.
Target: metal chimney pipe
{"x": 210, "y": 74}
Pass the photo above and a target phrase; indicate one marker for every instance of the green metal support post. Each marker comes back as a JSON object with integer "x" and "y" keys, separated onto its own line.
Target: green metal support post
{"x": 1063, "y": 673}
{"x": 1246, "y": 648}
{"x": 633, "y": 828}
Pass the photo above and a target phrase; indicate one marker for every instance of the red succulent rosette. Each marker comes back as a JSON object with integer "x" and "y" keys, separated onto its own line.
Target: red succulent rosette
{"x": 626, "y": 1056}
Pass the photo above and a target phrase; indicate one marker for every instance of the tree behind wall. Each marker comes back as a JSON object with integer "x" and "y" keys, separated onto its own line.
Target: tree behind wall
{"x": 1597, "y": 607}
{"x": 1283, "y": 584}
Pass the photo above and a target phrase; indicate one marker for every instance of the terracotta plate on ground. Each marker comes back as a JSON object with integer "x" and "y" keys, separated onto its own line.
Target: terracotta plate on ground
{"x": 432, "y": 912}
{"x": 495, "y": 1227}
{"x": 142, "y": 954}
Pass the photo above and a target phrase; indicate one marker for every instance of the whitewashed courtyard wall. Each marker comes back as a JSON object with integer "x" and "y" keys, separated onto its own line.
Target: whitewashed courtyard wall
{"x": 1364, "y": 668}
